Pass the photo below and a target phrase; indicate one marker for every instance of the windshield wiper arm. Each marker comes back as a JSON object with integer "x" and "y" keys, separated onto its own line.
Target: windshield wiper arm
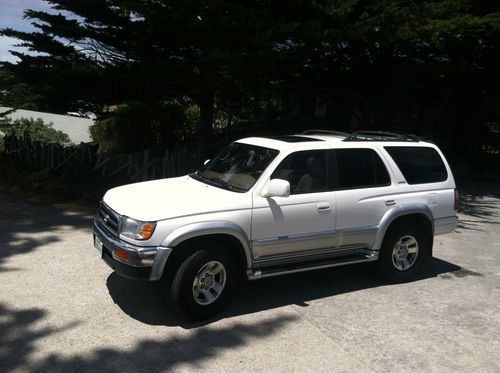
{"x": 219, "y": 182}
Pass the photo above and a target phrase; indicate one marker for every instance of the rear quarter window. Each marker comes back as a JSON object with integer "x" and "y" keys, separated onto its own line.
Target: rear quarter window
{"x": 419, "y": 165}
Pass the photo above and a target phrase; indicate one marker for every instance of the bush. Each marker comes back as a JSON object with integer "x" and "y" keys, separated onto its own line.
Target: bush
{"x": 135, "y": 126}
{"x": 36, "y": 129}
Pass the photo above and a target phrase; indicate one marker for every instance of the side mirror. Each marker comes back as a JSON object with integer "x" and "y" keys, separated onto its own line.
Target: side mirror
{"x": 276, "y": 188}
{"x": 206, "y": 161}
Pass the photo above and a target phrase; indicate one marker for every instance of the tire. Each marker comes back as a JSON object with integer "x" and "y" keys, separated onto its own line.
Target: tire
{"x": 403, "y": 252}
{"x": 211, "y": 269}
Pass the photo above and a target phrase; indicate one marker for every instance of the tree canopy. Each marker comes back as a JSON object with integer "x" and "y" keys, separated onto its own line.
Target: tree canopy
{"x": 378, "y": 64}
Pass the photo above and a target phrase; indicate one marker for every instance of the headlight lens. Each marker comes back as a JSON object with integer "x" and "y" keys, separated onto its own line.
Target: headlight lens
{"x": 136, "y": 229}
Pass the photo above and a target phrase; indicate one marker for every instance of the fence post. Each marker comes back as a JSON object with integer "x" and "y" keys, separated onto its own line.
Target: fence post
{"x": 140, "y": 166}
{"x": 165, "y": 164}
{"x": 145, "y": 169}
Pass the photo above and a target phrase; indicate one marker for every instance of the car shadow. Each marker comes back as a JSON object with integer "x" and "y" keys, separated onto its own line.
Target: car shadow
{"x": 147, "y": 301}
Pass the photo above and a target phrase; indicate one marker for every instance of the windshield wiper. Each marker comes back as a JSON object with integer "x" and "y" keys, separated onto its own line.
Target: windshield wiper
{"x": 218, "y": 182}
{"x": 222, "y": 184}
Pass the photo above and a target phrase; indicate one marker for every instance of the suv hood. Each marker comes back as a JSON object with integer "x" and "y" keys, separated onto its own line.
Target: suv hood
{"x": 174, "y": 197}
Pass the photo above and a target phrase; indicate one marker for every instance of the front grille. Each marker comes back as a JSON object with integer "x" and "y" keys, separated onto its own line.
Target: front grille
{"x": 109, "y": 219}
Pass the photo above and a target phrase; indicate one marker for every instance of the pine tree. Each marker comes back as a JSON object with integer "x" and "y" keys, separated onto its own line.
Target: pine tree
{"x": 375, "y": 56}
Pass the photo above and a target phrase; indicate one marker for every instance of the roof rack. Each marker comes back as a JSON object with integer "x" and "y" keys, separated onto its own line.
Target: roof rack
{"x": 325, "y": 132}
{"x": 380, "y": 136}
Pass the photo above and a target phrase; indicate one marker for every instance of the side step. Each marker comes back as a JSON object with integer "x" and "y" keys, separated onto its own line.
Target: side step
{"x": 259, "y": 273}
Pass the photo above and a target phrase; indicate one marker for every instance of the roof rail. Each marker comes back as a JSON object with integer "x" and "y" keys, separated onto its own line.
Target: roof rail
{"x": 325, "y": 132}
{"x": 380, "y": 136}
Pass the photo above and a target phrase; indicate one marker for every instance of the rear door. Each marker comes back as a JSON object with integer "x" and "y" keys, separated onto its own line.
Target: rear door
{"x": 364, "y": 194}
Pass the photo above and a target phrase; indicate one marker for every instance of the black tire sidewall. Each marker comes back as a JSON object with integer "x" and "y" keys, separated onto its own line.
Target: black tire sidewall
{"x": 182, "y": 285}
{"x": 386, "y": 266}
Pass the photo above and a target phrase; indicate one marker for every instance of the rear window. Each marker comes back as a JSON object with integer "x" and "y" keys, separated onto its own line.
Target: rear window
{"x": 419, "y": 165}
{"x": 360, "y": 168}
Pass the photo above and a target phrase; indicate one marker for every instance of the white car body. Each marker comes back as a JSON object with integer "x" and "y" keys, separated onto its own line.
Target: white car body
{"x": 275, "y": 232}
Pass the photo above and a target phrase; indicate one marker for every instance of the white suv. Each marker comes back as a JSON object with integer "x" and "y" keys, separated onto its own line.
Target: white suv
{"x": 270, "y": 206}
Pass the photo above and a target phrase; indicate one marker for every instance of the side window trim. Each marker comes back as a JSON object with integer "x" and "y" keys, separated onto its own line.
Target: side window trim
{"x": 333, "y": 170}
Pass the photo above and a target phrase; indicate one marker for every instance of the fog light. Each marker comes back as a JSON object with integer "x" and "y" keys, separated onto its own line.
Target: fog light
{"x": 122, "y": 254}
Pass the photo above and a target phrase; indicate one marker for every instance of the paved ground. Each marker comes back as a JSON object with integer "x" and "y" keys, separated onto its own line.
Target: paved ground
{"x": 61, "y": 309}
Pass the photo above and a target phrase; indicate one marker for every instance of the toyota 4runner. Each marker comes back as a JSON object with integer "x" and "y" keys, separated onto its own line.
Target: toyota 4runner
{"x": 271, "y": 206}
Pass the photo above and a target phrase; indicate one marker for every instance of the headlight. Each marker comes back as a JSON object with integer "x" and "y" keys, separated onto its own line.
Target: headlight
{"x": 136, "y": 229}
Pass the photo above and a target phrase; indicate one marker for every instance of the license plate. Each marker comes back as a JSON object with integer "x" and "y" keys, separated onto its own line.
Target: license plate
{"x": 98, "y": 245}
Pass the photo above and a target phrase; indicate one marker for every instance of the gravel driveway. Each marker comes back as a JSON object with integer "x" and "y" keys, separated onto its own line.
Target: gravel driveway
{"x": 62, "y": 309}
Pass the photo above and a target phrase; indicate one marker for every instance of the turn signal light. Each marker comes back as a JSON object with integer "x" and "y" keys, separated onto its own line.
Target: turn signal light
{"x": 122, "y": 254}
{"x": 147, "y": 230}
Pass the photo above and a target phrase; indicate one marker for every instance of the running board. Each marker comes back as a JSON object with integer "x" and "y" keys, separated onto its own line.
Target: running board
{"x": 309, "y": 266}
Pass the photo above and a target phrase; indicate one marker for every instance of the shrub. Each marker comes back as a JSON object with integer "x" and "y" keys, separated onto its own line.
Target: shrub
{"x": 36, "y": 129}
{"x": 136, "y": 126}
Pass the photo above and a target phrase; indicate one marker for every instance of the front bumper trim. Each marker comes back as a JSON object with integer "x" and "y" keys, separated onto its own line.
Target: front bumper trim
{"x": 145, "y": 263}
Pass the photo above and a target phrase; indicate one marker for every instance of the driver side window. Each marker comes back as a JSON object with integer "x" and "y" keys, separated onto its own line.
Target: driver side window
{"x": 305, "y": 171}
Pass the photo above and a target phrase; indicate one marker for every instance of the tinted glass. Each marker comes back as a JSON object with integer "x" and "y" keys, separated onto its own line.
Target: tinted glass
{"x": 419, "y": 165}
{"x": 305, "y": 171}
{"x": 360, "y": 168}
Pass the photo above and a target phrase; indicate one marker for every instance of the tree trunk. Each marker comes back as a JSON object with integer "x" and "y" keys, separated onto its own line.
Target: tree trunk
{"x": 206, "y": 104}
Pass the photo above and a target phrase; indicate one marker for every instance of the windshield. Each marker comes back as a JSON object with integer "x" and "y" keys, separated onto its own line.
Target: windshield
{"x": 237, "y": 167}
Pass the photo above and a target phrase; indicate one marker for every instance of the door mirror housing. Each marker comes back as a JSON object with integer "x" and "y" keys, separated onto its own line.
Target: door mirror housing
{"x": 276, "y": 188}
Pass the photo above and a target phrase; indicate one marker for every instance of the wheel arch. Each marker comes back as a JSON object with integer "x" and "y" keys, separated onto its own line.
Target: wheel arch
{"x": 416, "y": 213}
{"x": 183, "y": 240}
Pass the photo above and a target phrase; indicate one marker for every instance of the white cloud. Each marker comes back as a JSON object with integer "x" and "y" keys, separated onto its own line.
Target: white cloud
{"x": 11, "y": 16}
{"x": 7, "y": 44}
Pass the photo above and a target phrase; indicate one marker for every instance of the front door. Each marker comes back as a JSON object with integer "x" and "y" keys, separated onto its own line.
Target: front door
{"x": 303, "y": 223}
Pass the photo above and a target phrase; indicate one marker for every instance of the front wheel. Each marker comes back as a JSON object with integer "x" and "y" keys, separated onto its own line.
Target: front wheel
{"x": 203, "y": 283}
{"x": 402, "y": 253}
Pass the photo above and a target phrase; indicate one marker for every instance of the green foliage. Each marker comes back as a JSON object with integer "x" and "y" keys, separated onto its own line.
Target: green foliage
{"x": 430, "y": 65}
{"x": 36, "y": 129}
{"x": 137, "y": 125}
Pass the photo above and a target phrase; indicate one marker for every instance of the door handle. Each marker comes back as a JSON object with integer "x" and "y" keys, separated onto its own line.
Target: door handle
{"x": 390, "y": 202}
{"x": 323, "y": 207}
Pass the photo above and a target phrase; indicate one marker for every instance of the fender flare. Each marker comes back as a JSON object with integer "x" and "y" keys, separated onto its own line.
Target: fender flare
{"x": 207, "y": 228}
{"x": 397, "y": 212}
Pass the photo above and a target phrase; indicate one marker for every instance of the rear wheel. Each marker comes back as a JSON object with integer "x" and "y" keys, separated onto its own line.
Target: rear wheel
{"x": 402, "y": 253}
{"x": 203, "y": 283}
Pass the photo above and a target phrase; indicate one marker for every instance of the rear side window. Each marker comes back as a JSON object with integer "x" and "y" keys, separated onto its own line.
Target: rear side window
{"x": 419, "y": 165}
{"x": 360, "y": 168}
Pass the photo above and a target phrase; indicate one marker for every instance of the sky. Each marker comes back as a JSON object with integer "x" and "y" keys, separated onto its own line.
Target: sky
{"x": 11, "y": 15}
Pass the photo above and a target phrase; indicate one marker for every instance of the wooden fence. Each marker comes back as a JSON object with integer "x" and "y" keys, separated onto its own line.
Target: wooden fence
{"x": 135, "y": 167}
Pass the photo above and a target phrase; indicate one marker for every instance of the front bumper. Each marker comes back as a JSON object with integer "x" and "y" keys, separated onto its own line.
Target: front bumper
{"x": 145, "y": 263}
